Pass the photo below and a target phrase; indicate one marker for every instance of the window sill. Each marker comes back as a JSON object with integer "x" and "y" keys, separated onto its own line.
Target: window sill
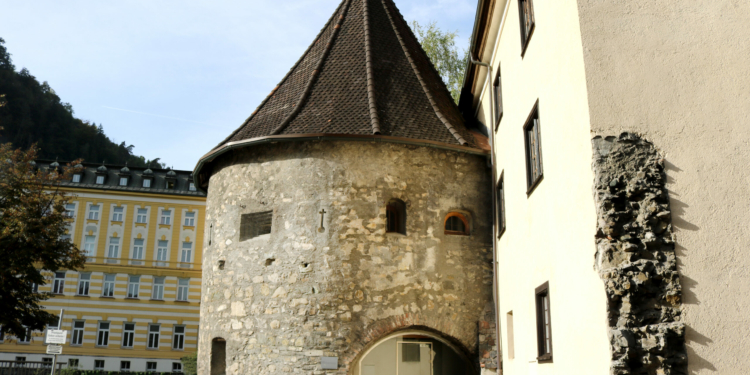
{"x": 534, "y": 185}
{"x": 188, "y": 227}
{"x": 454, "y": 233}
{"x": 83, "y": 295}
{"x": 112, "y": 297}
{"x": 141, "y": 224}
{"x": 547, "y": 358}
{"x": 395, "y": 234}
{"x": 132, "y": 298}
{"x": 157, "y": 299}
{"x": 177, "y": 300}
{"x": 165, "y": 226}
{"x": 118, "y": 222}
{"x": 92, "y": 221}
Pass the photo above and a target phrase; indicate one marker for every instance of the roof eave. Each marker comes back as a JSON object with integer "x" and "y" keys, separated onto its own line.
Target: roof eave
{"x": 213, "y": 154}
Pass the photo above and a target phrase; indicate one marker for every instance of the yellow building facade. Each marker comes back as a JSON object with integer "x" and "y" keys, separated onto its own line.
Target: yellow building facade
{"x": 135, "y": 305}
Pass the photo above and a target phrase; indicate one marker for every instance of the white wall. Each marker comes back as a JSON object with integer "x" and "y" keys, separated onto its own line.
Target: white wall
{"x": 678, "y": 72}
{"x": 550, "y": 233}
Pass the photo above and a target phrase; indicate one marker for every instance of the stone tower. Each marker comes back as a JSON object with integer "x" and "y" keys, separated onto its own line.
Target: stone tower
{"x": 349, "y": 215}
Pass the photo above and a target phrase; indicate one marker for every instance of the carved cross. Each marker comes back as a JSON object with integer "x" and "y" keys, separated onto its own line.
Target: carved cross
{"x": 322, "y": 214}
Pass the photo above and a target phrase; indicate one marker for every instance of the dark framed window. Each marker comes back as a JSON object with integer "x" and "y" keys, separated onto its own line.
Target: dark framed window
{"x": 395, "y": 216}
{"x": 500, "y": 202}
{"x": 533, "y": 139}
{"x": 498, "y": 100}
{"x": 456, "y": 224}
{"x": 526, "y": 14}
{"x": 255, "y": 224}
{"x": 543, "y": 324}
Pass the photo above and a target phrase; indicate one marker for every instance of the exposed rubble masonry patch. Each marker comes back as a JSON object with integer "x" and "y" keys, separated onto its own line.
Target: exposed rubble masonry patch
{"x": 635, "y": 257}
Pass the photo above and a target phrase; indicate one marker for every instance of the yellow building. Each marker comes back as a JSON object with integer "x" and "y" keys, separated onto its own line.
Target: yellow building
{"x": 135, "y": 305}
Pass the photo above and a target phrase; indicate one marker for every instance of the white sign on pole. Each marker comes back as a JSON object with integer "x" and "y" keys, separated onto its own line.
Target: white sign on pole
{"x": 56, "y": 336}
{"x": 54, "y": 349}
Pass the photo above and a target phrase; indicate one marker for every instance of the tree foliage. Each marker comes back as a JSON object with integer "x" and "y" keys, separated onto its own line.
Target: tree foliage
{"x": 190, "y": 364}
{"x": 441, "y": 48}
{"x": 33, "y": 113}
{"x": 32, "y": 226}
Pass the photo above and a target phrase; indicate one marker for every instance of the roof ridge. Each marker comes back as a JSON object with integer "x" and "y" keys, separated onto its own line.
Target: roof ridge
{"x": 286, "y": 76}
{"x": 426, "y": 90}
{"x": 316, "y": 72}
{"x": 374, "y": 118}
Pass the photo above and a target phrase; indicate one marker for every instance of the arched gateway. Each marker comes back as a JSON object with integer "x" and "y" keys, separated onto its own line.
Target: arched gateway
{"x": 302, "y": 272}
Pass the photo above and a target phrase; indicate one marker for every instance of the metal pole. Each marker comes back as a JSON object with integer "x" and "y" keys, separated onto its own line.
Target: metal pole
{"x": 59, "y": 326}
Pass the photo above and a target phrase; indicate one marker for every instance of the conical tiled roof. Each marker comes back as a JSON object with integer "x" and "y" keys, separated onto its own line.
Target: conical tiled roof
{"x": 365, "y": 75}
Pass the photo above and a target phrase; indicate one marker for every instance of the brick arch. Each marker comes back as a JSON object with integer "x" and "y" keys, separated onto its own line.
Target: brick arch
{"x": 376, "y": 332}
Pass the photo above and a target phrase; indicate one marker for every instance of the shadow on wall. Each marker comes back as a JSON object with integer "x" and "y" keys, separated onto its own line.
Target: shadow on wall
{"x": 677, "y": 206}
{"x": 697, "y": 364}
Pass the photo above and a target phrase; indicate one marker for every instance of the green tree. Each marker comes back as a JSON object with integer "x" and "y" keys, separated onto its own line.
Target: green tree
{"x": 441, "y": 48}
{"x": 190, "y": 364}
{"x": 32, "y": 229}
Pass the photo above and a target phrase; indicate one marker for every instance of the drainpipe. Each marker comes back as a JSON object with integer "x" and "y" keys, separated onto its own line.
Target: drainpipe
{"x": 495, "y": 292}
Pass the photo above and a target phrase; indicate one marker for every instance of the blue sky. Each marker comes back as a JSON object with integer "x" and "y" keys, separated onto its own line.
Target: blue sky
{"x": 174, "y": 78}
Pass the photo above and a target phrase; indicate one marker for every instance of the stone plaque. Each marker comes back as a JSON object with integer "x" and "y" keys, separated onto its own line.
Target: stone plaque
{"x": 329, "y": 363}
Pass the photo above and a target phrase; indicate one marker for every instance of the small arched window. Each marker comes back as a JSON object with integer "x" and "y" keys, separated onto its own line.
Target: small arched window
{"x": 395, "y": 216}
{"x": 457, "y": 224}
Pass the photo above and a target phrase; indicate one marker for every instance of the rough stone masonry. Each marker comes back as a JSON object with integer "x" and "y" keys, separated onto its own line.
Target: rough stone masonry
{"x": 284, "y": 300}
{"x": 635, "y": 258}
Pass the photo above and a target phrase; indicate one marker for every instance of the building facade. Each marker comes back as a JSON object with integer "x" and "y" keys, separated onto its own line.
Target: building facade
{"x": 619, "y": 138}
{"x": 135, "y": 304}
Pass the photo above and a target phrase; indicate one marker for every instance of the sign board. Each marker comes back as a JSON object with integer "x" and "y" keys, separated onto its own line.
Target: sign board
{"x": 56, "y": 336}
{"x": 329, "y": 363}
{"x": 54, "y": 349}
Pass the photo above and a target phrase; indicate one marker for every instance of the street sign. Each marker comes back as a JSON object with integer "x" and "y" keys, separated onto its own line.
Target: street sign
{"x": 56, "y": 336}
{"x": 54, "y": 349}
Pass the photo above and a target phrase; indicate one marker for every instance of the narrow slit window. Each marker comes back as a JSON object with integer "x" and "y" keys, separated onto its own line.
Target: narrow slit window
{"x": 255, "y": 224}
{"x": 395, "y": 216}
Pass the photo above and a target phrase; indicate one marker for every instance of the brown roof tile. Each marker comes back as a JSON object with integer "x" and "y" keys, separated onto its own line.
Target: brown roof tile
{"x": 364, "y": 74}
